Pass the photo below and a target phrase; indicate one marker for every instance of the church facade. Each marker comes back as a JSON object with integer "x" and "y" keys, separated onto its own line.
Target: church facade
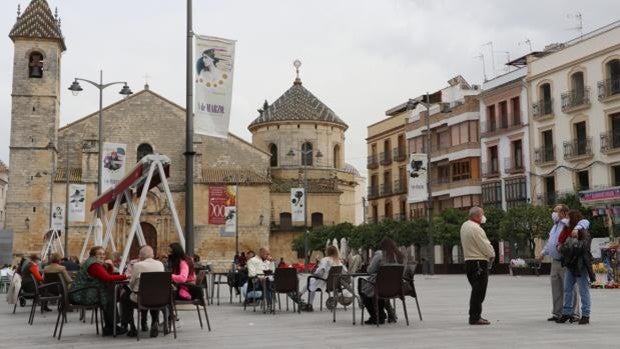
{"x": 149, "y": 123}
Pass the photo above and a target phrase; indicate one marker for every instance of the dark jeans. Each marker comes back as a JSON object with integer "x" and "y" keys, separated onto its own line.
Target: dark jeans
{"x": 127, "y": 307}
{"x": 369, "y": 304}
{"x": 478, "y": 276}
{"x": 258, "y": 286}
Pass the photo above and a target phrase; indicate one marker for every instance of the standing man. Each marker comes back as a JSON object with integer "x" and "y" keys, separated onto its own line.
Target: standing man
{"x": 560, "y": 220}
{"x": 478, "y": 255}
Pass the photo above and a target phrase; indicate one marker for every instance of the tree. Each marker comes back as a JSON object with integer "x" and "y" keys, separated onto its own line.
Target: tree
{"x": 494, "y": 218}
{"x": 523, "y": 224}
{"x": 446, "y": 230}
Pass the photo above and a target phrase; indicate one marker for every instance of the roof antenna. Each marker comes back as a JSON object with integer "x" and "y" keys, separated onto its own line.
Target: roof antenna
{"x": 579, "y": 19}
{"x": 490, "y": 43}
{"x": 527, "y": 42}
{"x": 484, "y": 70}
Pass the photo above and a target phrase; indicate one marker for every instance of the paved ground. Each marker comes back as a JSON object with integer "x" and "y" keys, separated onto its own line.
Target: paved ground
{"x": 516, "y": 306}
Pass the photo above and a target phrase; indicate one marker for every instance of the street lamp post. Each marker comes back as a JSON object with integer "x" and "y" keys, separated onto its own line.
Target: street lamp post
{"x": 75, "y": 88}
{"x": 305, "y": 153}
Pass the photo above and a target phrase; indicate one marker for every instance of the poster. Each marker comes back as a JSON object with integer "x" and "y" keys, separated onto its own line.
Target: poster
{"x": 214, "y": 63}
{"x": 223, "y": 206}
{"x": 77, "y": 202}
{"x": 58, "y": 217}
{"x": 417, "y": 190}
{"x": 113, "y": 164}
{"x": 297, "y": 204}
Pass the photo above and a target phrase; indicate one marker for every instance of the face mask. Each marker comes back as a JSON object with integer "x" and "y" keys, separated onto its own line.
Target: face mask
{"x": 564, "y": 221}
{"x": 483, "y": 220}
{"x": 555, "y": 216}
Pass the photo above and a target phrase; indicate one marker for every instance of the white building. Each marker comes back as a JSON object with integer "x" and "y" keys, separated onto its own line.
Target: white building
{"x": 504, "y": 140}
{"x": 574, "y": 98}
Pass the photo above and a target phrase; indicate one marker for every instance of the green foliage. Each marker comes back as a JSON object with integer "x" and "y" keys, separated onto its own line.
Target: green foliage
{"x": 447, "y": 227}
{"x": 494, "y": 218}
{"x": 525, "y": 223}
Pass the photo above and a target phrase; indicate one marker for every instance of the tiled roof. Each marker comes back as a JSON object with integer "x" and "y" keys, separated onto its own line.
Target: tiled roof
{"x": 314, "y": 186}
{"x": 297, "y": 104}
{"x": 37, "y": 21}
{"x": 351, "y": 169}
{"x": 75, "y": 175}
{"x": 232, "y": 176}
{"x": 3, "y": 167}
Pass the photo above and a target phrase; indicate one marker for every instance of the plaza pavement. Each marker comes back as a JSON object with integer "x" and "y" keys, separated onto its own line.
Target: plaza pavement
{"x": 516, "y": 306}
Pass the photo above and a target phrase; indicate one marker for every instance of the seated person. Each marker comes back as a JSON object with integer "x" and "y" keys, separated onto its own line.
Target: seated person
{"x": 182, "y": 267}
{"x": 129, "y": 298}
{"x": 30, "y": 269}
{"x": 258, "y": 267}
{"x": 54, "y": 266}
{"x": 332, "y": 259}
{"x": 69, "y": 264}
{"x": 94, "y": 272}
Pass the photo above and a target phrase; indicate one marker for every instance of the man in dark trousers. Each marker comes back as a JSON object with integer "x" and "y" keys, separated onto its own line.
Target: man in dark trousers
{"x": 478, "y": 255}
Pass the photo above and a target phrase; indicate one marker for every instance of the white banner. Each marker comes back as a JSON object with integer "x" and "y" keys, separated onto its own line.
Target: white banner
{"x": 58, "y": 217}
{"x": 418, "y": 174}
{"x": 113, "y": 166}
{"x": 77, "y": 202}
{"x": 231, "y": 219}
{"x": 214, "y": 59}
{"x": 297, "y": 204}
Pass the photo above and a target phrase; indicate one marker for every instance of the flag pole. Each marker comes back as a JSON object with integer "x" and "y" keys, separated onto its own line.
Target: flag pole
{"x": 189, "y": 139}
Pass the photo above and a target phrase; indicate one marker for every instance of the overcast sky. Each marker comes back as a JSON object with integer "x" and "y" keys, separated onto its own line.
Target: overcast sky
{"x": 359, "y": 57}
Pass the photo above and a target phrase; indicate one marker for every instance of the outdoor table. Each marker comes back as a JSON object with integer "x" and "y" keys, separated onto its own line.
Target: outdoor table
{"x": 352, "y": 290}
{"x": 117, "y": 284}
{"x": 218, "y": 282}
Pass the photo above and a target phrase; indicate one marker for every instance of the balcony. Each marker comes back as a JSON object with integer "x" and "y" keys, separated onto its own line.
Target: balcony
{"x": 575, "y": 100}
{"x": 608, "y": 88}
{"x": 544, "y": 155}
{"x": 542, "y": 109}
{"x": 372, "y": 162}
{"x": 399, "y": 153}
{"x": 490, "y": 169}
{"x": 385, "y": 189}
{"x": 440, "y": 147}
{"x": 385, "y": 158}
{"x": 610, "y": 141}
{"x": 488, "y": 127}
{"x": 373, "y": 192}
{"x": 578, "y": 149}
{"x": 549, "y": 198}
{"x": 504, "y": 124}
{"x": 512, "y": 166}
{"x": 400, "y": 187}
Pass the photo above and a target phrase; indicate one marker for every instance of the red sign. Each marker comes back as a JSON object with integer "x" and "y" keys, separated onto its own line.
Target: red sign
{"x": 603, "y": 194}
{"x": 220, "y": 197}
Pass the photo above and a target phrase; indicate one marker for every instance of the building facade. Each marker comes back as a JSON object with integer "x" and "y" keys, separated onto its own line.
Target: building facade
{"x": 574, "y": 98}
{"x": 4, "y": 186}
{"x": 504, "y": 139}
{"x": 387, "y": 166}
{"x": 454, "y": 114}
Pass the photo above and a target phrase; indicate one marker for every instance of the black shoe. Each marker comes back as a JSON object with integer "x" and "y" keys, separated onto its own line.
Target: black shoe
{"x": 45, "y": 310}
{"x": 154, "y": 331}
{"x": 373, "y": 321}
{"x": 480, "y": 321}
{"x": 584, "y": 320}
{"x": 144, "y": 327}
{"x": 307, "y": 307}
{"x": 107, "y": 331}
{"x": 132, "y": 333}
{"x": 553, "y": 318}
{"x": 574, "y": 319}
{"x": 392, "y": 320}
{"x": 563, "y": 319}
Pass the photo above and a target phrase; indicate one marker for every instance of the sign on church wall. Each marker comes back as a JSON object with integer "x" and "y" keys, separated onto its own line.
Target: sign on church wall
{"x": 58, "y": 217}
{"x": 214, "y": 65}
{"x": 298, "y": 204}
{"x": 223, "y": 206}
{"x": 113, "y": 164}
{"x": 77, "y": 202}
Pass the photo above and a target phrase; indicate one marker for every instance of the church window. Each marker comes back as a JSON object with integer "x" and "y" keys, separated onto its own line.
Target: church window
{"x": 273, "y": 150}
{"x": 317, "y": 219}
{"x": 286, "y": 220}
{"x": 35, "y": 65}
{"x": 306, "y": 154}
{"x": 144, "y": 149}
{"x": 337, "y": 156}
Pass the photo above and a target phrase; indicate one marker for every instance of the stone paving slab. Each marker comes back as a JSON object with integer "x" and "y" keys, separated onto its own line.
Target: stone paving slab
{"x": 516, "y": 306}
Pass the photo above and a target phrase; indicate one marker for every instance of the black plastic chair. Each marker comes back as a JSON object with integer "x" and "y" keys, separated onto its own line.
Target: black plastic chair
{"x": 201, "y": 285}
{"x": 66, "y": 303}
{"x": 155, "y": 293}
{"x": 286, "y": 281}
{"x": 43, "y": 293}
{"x": 22, "y": 295}
{"x": 332, "y": 282}
{"x": 410, "y": 291}
{"x": 388, "y": 285}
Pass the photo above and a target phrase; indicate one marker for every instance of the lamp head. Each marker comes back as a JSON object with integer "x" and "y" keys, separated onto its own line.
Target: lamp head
{"x": 75, "y": 88}
{"x": 290, "y": 153}
{"x": 126, "y": 91}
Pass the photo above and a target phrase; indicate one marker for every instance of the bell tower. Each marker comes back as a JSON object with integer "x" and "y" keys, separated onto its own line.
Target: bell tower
{"x": 38, "y": 46}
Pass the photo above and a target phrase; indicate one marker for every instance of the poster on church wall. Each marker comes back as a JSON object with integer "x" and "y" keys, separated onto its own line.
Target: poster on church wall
{"x": 417, "y": 190}
{"x": 77, "y": 202}
{"x": 58, "y": 217}
{"x": 297, "y": 204}
{"x": 223, "y": 206}
{"x": 113, "y": 164}
{"x": 214, "y": 64}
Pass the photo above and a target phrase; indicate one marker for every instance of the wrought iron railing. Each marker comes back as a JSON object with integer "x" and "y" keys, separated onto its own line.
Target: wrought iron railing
{"x": 575, "y": 98}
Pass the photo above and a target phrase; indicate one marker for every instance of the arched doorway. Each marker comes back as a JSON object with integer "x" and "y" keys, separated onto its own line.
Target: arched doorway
{"x": 150, "y": 236}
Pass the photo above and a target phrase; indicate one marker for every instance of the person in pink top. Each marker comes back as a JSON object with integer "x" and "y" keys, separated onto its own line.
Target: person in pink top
{"x": 182, "y": 270}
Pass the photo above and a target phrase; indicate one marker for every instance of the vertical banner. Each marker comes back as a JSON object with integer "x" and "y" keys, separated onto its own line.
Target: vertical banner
{"x": 214, "y": 59}
{"x": 113, "y": 164}
{"x": 418, "y": 174}
{"x": 223, "y": 207}
{"x": 77, "y": 202}
{"x": 58, "y": 217}
{"x": 231, "y": 210}
{"x": 297, "y": 204}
